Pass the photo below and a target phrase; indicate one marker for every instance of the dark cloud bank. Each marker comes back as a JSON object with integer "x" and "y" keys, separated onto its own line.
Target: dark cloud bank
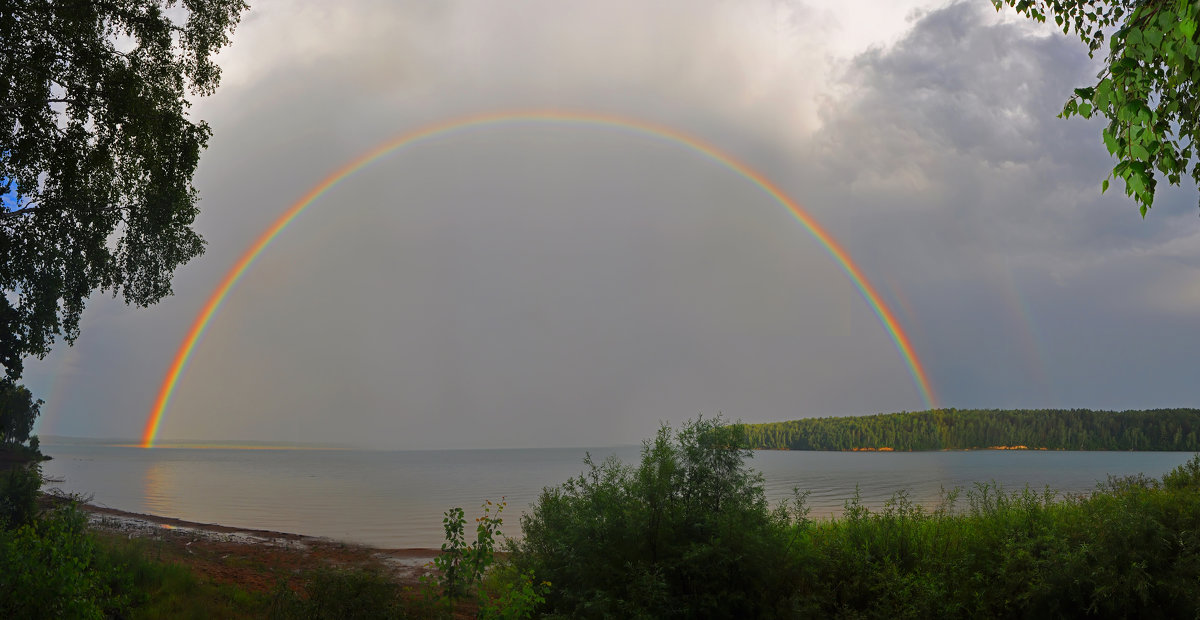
{"x": 530, "y": 286}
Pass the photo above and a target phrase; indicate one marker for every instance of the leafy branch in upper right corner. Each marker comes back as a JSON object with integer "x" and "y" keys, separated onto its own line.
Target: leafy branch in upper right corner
{"x": 1147, "y": 89}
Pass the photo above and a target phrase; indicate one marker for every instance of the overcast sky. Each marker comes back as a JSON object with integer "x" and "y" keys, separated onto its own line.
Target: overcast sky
{"x": 528, "y": 285}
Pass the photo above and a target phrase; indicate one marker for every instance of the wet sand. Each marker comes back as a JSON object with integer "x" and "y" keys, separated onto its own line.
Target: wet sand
{"x": 254, "y": 559}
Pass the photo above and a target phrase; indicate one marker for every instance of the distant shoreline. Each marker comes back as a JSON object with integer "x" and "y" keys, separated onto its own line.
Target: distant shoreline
{"x": 1150, "y": 430}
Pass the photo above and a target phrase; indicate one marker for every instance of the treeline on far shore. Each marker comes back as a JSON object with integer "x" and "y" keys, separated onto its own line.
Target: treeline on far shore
{"x": 975, "y": 429}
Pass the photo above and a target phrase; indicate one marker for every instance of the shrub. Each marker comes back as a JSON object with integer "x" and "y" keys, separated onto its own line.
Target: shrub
{"x": 340, "y": 595}
{"x": 513, "y": 596}
{"x": 687, "y": 533}
{"x": 1131, "y": 549}
{"x": 48, "y": 569}
{"x": 19, "y": 487}
{"x": 461, "y": 566}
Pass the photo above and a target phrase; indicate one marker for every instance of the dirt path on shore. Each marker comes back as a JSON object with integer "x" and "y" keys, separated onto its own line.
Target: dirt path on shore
{"x": 253, "y": 559}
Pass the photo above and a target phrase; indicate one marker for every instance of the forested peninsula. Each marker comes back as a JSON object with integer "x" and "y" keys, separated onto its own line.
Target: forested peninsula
{"x": 981, "y": 429}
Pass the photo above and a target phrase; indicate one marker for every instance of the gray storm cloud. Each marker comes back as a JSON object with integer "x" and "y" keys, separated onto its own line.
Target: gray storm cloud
{"x": 534, "y": 284}
{"x": 951, "y": 136}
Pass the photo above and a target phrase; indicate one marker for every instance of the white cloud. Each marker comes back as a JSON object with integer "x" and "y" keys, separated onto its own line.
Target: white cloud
{"x": 538, "y": 285}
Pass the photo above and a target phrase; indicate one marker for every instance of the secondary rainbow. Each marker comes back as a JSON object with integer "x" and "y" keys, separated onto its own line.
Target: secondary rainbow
{"x": 179, "y": 364}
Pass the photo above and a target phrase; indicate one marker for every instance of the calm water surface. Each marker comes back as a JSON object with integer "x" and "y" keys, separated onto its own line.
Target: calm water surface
{"x": 396, "y": 499}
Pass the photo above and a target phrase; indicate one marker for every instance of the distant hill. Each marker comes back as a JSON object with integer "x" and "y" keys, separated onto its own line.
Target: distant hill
{"x": 975, "y": 429}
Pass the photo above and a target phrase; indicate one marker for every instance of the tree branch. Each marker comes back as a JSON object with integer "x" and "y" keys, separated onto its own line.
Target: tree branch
{"x": 14, "y": 106}
{"x": 12, "y": 214}
{"x": 6, "y": 215}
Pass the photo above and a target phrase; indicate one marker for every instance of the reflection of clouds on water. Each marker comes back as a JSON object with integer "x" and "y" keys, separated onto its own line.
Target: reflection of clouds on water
{"x": 158, "y": 483}
{"x": 832, "y": 477}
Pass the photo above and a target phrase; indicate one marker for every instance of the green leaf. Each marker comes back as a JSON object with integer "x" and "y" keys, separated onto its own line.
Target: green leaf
{"x": 1153, "y": 36}
{"x": 1085, "y": 110}
{"x": 1103, "y": 93}
{"x": 1104, "y": 186}
{"x": 1135, "y": 182}
{"x": 1187, "y": 27}
{"x": 1139, "y": 151}
{"x": 1125, "y": 112}
{"x": 1110, "y": 142}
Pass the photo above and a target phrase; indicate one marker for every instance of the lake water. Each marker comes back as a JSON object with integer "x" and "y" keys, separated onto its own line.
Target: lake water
{"x": 396, "y": 499}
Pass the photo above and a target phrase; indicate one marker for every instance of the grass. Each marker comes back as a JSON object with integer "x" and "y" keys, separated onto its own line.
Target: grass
{"x": 159, "y": 588}
{"x": 1129, "y": 548}
{"x": 156, "y": 578}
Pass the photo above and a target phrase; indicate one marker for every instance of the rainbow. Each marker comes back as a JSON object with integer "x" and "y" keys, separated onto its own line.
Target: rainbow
{"x": 886, "y": 316}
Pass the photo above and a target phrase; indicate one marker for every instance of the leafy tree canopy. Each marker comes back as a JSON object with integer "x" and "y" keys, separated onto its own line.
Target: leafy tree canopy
{"x": 18, "y": 412}
{"x": 97, "y": 154}
{"x": 1147, "y": 89}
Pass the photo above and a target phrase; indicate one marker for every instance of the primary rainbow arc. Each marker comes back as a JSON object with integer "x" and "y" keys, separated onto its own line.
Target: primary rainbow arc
{"x": 839, "y": 254}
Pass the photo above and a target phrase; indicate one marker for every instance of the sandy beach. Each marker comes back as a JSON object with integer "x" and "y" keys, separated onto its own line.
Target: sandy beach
{"x": 250, "y": 558}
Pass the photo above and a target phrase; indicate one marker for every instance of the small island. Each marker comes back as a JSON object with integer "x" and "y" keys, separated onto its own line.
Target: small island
{"x": 986, "y": 429}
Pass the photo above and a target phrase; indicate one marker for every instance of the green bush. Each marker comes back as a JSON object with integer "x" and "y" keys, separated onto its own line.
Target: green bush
{"x": 340, "y": 595}
{"x": 1131, "y": 549}
{"x": 49, "y": 569}
{"x": 461, "y": 566}
{"x": 19, "y": 487}
{"x": 687, "y": 533}
{"x": 511, "y": 595}
{"x": 49, "y": 563}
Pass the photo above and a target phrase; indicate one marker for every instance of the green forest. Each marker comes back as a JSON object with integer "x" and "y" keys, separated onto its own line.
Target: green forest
{"x": 975, "y": 429}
